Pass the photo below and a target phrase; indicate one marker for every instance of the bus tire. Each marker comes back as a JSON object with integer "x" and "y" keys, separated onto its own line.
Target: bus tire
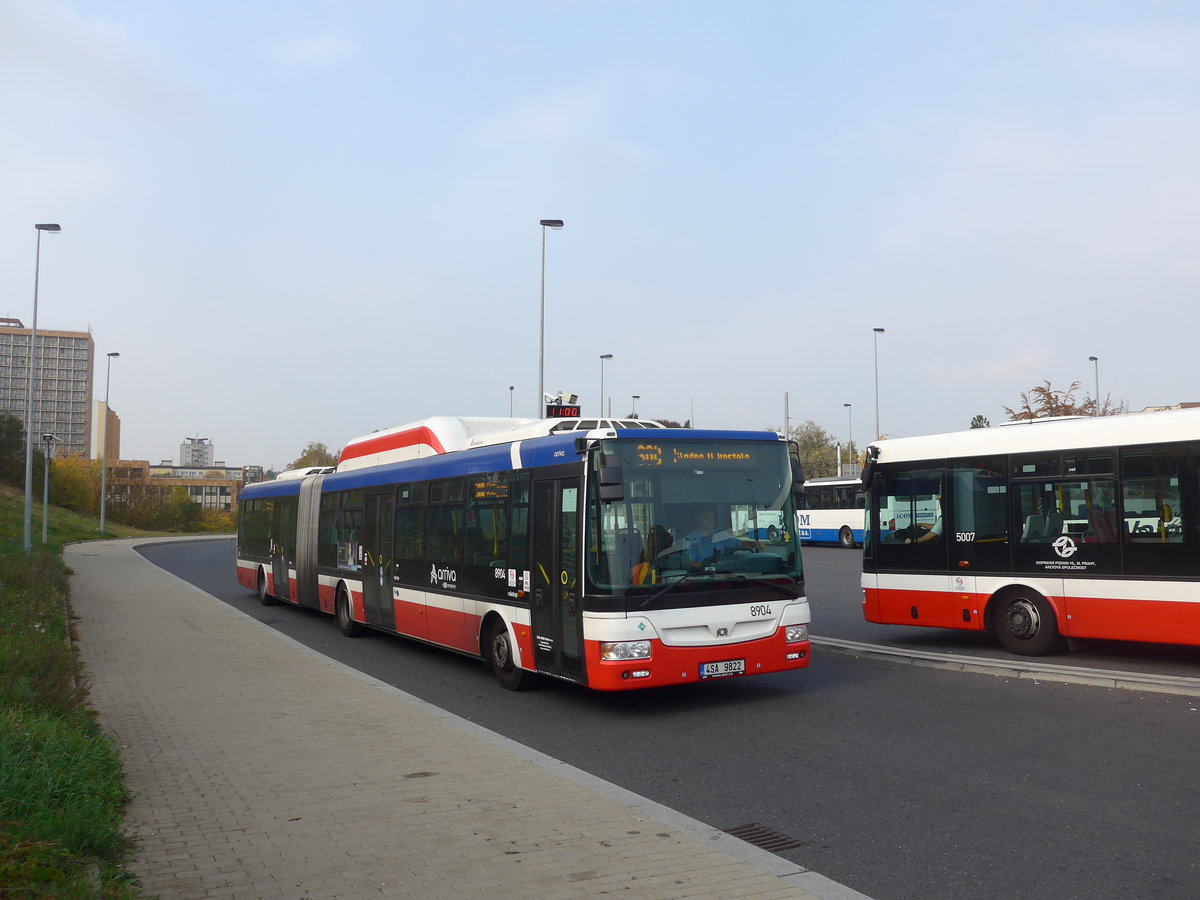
{"x": 846, "y": 537}
{"x": 1025, "y": 623}
{"x": 345, "y": 616}
{"x": 503, "y": 662}
{"x": 263, "y": 597}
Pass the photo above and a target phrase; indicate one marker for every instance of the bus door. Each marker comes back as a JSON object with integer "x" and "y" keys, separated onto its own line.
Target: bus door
{"x": 377, "y": 560}
{"x": 557, "y": 616}
{"x": 283, "y": 538}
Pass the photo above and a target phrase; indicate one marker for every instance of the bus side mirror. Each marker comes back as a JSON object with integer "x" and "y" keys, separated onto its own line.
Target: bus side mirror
{"x": 612, "y": 478}
{"x": 797, "y": 473}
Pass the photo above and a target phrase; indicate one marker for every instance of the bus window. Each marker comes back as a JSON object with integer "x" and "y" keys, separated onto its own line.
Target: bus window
{"x": 910, "y": 504}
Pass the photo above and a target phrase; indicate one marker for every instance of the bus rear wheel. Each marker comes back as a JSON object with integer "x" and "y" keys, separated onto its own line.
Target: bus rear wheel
{"x": 1025, "y": 623}
{"x": 345, "y": 617}
{"x": 263, "y": 597}
{"x": 504, "y": 666}
{"x": 846, "y": 537}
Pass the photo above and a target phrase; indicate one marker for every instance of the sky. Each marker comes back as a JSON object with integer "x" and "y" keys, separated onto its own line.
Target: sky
{"x": 305, "y": 221}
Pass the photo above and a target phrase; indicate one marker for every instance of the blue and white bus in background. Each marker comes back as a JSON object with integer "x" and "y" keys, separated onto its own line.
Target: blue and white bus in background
{"x": 832, "y": 513}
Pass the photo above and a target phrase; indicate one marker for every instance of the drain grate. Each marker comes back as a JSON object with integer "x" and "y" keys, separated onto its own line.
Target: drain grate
{"x": 765, "y": 838}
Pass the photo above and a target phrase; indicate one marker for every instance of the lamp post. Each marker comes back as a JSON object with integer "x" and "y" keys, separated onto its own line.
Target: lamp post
{"x": 850, "y": 429}
{"x": 27, "y": 531}
{"x": 49, "y": 439}
{"x": 541, "y": 391}
{"x": 636, "y": 398}
{"x": 1095, "y": 361}
{"x": 603, "y": 357}
{"x": 878, "y": 332}
{"x": 511, "y": 388}
{"x": 104, "y": 444}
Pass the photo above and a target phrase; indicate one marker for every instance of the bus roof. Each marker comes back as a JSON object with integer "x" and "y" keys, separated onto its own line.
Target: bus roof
{"x": 546, "y": 450}
{"x": 1034, "y": 435}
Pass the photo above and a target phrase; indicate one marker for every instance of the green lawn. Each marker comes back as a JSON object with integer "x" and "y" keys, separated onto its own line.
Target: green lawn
{"x": 62, "y": 793}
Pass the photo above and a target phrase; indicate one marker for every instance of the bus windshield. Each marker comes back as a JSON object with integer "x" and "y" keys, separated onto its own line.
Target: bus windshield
{"x": 691, "y": 516}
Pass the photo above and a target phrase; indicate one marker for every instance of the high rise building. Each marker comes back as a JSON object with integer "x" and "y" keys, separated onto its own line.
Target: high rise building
{"x": 62, "y": 401}
{"x": 196, "y": 452}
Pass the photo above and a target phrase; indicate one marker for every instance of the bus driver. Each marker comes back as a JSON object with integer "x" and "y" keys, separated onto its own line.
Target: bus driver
{"x": 701, "y": 544}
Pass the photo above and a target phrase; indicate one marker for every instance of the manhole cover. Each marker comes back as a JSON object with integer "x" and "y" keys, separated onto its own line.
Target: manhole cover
{"x": 765, "y": 838}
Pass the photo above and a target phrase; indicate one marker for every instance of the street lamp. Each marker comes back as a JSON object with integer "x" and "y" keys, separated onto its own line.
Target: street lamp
{"x": 50, "y": 440}
{"x": 541, "y": 395}
{"x": 1095, "y": 361}
{"x": 104, "y": 444}
{"x": 878, "y": 332}
{"x": 511, "y": 388}
{"x": 850, "y": 428}
{"x": 636, "y": 398}
{"x": 37, "y": 265}
{"x": 603, "y": 357}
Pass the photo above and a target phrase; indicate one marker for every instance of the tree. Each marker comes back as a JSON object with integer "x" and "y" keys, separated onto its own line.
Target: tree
{"x": 818, "y": 455}
{"x": 980, "y": 422}
{"x": 315, "y": 454}
{"x": 1044, "y": 401}
{"x": 12, "y": 453}
{"x": 75, "y": 484}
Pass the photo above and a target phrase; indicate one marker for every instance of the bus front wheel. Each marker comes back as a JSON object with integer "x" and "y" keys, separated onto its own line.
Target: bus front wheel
{"x": 1025, "y": 623}
{"x": 846, "y": 537}
{"x": 345, "y": 617}
{"x": 504, "y": 665}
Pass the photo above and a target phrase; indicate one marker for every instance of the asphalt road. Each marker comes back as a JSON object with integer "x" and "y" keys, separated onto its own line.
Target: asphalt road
{"x": 900, "y": 781}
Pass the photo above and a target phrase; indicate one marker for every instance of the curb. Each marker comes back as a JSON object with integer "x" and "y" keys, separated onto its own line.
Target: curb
{"x": 1032, "y": 671}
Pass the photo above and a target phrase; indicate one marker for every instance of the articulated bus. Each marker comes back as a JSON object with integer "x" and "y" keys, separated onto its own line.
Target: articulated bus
{"x": 1039, "y": 530}
{"x": 567, "y": 549}
{"x": 833, "y": 512}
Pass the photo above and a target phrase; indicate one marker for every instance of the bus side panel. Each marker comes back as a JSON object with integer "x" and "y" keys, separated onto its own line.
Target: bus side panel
{"x": 1132, "y": 611}
{"x": 447, "y": 621}
{"x": 327, "y": 592}
{"x": 913, "y": 600}
{"x": 408, "y": 608}
{"x": 247, "y": 574}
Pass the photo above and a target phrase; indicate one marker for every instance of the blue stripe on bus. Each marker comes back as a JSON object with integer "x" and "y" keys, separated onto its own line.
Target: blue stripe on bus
{"x": 827, "y": 535}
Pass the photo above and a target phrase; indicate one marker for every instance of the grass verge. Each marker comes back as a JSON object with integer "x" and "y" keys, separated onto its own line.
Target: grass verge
{"x": 62, "y": 792}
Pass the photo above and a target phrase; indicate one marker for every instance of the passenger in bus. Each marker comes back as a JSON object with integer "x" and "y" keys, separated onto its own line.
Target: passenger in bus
{"x": 658, "y": 541}
{"x": 702, "y": 544}
{"x": 1102, "y": 519}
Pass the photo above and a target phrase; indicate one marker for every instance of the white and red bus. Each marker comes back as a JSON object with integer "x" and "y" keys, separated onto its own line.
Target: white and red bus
{"x": 1073, "y": 527}
{"x": 557, "y": 548}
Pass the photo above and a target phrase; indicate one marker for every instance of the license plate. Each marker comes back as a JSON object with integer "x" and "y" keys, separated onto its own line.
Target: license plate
{"x": 721, "y": 669}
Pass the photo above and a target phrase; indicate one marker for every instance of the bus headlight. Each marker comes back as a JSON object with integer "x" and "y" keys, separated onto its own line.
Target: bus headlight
{"x": 618, "y": 650}
{"x": 797, "y": 633}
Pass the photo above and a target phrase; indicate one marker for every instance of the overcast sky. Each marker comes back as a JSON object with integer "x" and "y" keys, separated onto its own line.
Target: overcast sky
{"x": 303, "y": 221}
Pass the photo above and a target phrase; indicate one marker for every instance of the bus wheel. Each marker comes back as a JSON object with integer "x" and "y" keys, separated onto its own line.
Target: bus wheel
{"x": 504, "y": 666}
{"x": 846, "y": 537}
{"x": 345, "y": 619}
{"x": 263, "y": 597}
{"x": 1025, "y": 623}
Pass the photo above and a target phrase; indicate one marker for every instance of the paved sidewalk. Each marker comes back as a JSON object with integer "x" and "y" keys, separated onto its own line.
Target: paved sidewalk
{"x": 261, "y": 769}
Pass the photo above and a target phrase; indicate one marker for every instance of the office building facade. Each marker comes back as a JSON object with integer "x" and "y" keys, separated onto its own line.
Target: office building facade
{"x": 62, "y": 402}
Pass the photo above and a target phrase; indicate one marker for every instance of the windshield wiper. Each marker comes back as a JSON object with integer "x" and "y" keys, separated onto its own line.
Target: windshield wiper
{"x": 782, "y": 588}
{"x": 669, "y": 586}
{"x": 738, "y": 576}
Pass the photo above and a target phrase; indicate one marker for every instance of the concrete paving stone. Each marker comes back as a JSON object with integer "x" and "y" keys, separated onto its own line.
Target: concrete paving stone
{"x": 228, "y": 730}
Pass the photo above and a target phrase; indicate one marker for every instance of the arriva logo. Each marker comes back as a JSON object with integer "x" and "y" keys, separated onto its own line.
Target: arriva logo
{"x": 446, "y": 577}
{"x": 1064, "y": 546}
